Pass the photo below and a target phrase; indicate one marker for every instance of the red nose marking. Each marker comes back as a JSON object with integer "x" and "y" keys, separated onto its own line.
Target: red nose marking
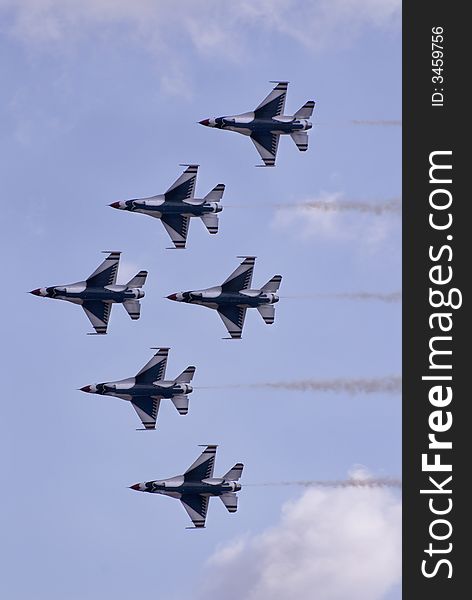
{"x": 134, "y": 487}
{"x": 205, "y": 122}
{"x": 172, "y": 297}
{"x": 36, "y": 292}
{"x": 86, "y": 388}
{"x": 115, "y": 205}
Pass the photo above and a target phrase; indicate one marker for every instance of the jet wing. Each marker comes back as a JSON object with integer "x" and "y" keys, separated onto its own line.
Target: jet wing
{"x": 177, "y": 228}
{"x": 273, "y": 105}
{"x": 240, "y": 278}
{"x": 105, "y": 273}
{"x": 184, "y": 186}
{"x": 266, "y": 144}
{"x": 202, "y": 468}
{"x": 233, "y": 318}
{"x": 98, "y": 313}
{"x": 155, "y": 369}
{"x": 196, "y": 506}
{"x": 147, "y": 409}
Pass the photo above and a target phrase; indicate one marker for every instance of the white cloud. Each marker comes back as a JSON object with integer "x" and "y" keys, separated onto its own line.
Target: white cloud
{"x": 214, "y": 28}
{"x": 313, "y": 218}
{"x": 330, "y": 544}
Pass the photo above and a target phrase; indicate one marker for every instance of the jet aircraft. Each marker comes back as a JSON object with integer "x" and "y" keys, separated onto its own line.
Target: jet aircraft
{"x": 197, "y": 485}
{"x": 234, "y": 296}
{"x": 177, "y": 206}
{"x": 99, "y": 292}
{"x": 265, "y": 124}
{"x": 146, "y": 389}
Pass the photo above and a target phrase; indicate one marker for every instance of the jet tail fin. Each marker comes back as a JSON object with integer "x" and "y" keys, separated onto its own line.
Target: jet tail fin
{"x": 216, "y": 193}
{"x": 138, "y": 280}
{"x": 133, "y": 308}
{"x": 234, "y": 473}
{"x": 300, "y": 139}
{"x": 230, "y": 500}
{"x": 186, "y": 376}
{"x": 273, "y": 284}
{"x": 210, "y": 220}
{"x": 181, "y": 403}
{"x": 305, "y": 111}
{"x": 267, "y": 312}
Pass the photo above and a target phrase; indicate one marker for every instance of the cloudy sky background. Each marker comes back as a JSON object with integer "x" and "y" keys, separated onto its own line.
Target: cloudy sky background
{"x": 100, "y": 103}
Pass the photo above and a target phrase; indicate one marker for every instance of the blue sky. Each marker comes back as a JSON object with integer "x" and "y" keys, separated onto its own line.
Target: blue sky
{"x": 101, "y": 104}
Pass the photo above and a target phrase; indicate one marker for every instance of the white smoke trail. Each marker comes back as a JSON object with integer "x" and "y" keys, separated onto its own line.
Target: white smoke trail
{"x": 385, "y": 385}
{"x": 382, "y": 297}
{"x": 394, "y": 205}
{"x": 340, "y": 483}
{"x": 379, "y": 122}
{"x": 391, "y": 206}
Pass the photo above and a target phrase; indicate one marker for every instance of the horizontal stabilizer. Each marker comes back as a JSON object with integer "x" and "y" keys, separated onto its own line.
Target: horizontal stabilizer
{"x": 138, "y": 280}
{"x": 234, "y": 473}
{"x": 305, "y": 111}
{"x": 230, "y": 500}
{"x": 273, "y": 284}
{"x": 267, "y": 312}
{"x": 186, "y": 376}
{"x": 210, "y": 220}
{"x": 133, "y": 308}
{"x": 216, "y": 193}
{"x": 301, "y": 140}
{"x": 181, "y": 403}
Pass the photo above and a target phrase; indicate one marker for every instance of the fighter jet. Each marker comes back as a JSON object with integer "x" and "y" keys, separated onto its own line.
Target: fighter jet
{"x": 99, "y": 292}
{"x": 177, "y": 206}
{"x": 146, "y": 389}
{"x": 265, "y": 124}
{"x": 197, "y": 485}
{"x": 234, "y": 296}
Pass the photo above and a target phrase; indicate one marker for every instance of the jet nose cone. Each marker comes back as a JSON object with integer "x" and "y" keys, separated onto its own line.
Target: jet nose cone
{"x": 172, "y": 297}
{"x": 115, "y": 205}
{"x": 205, "y": 122}
{"x": 86, "y": 388}
{"x": 134, "y": 487}
{"x": 36, "y": 292}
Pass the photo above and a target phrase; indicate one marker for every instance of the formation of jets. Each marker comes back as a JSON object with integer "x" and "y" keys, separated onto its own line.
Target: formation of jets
{"x": 197, "y": 485}
{"x": 265, "y": 124}
{"x": 175, "y": 208}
